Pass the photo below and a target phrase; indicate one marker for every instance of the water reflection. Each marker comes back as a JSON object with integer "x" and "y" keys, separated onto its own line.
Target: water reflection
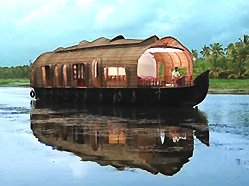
{"x": 153, "y": 139}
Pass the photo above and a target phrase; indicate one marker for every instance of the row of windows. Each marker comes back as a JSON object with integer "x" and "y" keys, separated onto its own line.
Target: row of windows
{"x": 47, "y": 76}
{"x": 79, "y": 73}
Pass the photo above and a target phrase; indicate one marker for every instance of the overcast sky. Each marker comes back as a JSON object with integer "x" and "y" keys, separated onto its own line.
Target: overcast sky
{"x": 30, "y": 27}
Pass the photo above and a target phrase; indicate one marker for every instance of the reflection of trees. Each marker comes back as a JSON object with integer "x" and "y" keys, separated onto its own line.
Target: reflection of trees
{"x": 120, "y": 142}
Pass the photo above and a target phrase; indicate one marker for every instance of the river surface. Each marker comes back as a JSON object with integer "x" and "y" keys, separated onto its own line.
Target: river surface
{"x": 57, "y": 144}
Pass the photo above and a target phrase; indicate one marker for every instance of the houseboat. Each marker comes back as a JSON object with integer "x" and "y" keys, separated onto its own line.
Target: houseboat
{"x": 119, "y": 71}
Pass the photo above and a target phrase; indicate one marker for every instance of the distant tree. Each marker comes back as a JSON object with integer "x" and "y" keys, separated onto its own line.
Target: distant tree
{"x": 245, "y": 39}
{"x": 216, "y": 50}
{"x": 238, "y": 58}
{"x": 217, "y": 59}
{"x": 205, "y": 52}
{"x": 15, "y": 72}
{"x": 194, "y": 53}
{"x": 231, "y": 62}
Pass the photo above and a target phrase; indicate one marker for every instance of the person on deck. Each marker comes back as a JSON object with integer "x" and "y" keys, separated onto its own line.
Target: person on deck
{"x": 176, "y": 75}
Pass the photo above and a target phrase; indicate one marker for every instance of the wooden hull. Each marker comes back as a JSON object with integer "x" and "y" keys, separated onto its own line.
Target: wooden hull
{"x": 188, "y": 96}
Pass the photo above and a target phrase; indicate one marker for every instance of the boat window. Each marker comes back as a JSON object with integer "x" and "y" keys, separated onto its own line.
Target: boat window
{"x": 56, "y": 75}
{"x": 115, "y": 73}
{"x": 95, "y": 68}
{"x": 64, "y": 71}
{"x": 78, "y": 71}
{"x": 117, "y": 136}
{"x": 46, "y": 75}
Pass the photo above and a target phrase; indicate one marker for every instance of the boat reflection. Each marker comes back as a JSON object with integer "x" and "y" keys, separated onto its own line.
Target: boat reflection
{"x": 153, "y": 139}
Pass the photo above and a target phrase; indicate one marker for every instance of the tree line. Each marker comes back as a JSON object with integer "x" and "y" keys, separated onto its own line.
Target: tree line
{"x": 231, "y": 62}
{"x": 15, "y": 72}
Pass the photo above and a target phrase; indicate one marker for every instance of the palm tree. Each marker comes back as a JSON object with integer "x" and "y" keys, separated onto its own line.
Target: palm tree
{"x": 230, "y": 50}
{"x": 245, "y": 39}
{"x": 238, "y": 57}
{"x": 205, "y": 52}
{"x": 246, "y": 67}
{"x": 242, "y": 57}
{"x": 216, "y": 49}
{"x": 217, "y": 59}
{"x": 231, "y": 62}
{"x": 231, "y": 55}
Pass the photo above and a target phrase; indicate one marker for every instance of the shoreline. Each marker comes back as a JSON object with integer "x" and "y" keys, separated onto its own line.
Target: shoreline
{"x": 228, "y": 91}
{"x": 15, "y": 85}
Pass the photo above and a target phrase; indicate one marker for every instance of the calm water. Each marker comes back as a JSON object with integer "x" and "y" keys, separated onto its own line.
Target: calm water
{"x": 58, "y": 144}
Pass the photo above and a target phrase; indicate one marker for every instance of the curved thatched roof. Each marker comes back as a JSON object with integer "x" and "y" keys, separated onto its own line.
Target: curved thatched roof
{"x": 117, "y": 49}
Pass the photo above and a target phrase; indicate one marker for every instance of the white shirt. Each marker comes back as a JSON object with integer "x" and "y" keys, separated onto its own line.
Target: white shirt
{"x": 175, "y": 74}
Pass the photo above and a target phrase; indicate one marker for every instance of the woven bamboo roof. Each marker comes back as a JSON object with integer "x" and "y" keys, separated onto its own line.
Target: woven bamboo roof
{"x": 102, "y": 41}
{"x": 174, "y": 59}
{"x": 117, "y": 49}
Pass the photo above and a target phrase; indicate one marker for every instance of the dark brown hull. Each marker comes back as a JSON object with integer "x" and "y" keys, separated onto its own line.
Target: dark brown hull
{"x": 188, "y": 96}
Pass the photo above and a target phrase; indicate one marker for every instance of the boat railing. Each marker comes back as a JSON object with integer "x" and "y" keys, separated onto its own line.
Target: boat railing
{"x": 157, "y": 82}
{"x": 153, "y": 82}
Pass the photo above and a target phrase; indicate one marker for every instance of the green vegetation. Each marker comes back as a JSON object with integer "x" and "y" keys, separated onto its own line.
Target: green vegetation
{"x": 21, "y": 72}
{"x": 229, "y": 67}
{"x": 239, "y": 84}
{"x": 231, "y": 62}
{"x": 14, "y": 82}
{"x": 14, "y": 76}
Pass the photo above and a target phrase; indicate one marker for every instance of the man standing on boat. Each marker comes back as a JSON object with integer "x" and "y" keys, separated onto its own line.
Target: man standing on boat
{"x": 176, "y": 76}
